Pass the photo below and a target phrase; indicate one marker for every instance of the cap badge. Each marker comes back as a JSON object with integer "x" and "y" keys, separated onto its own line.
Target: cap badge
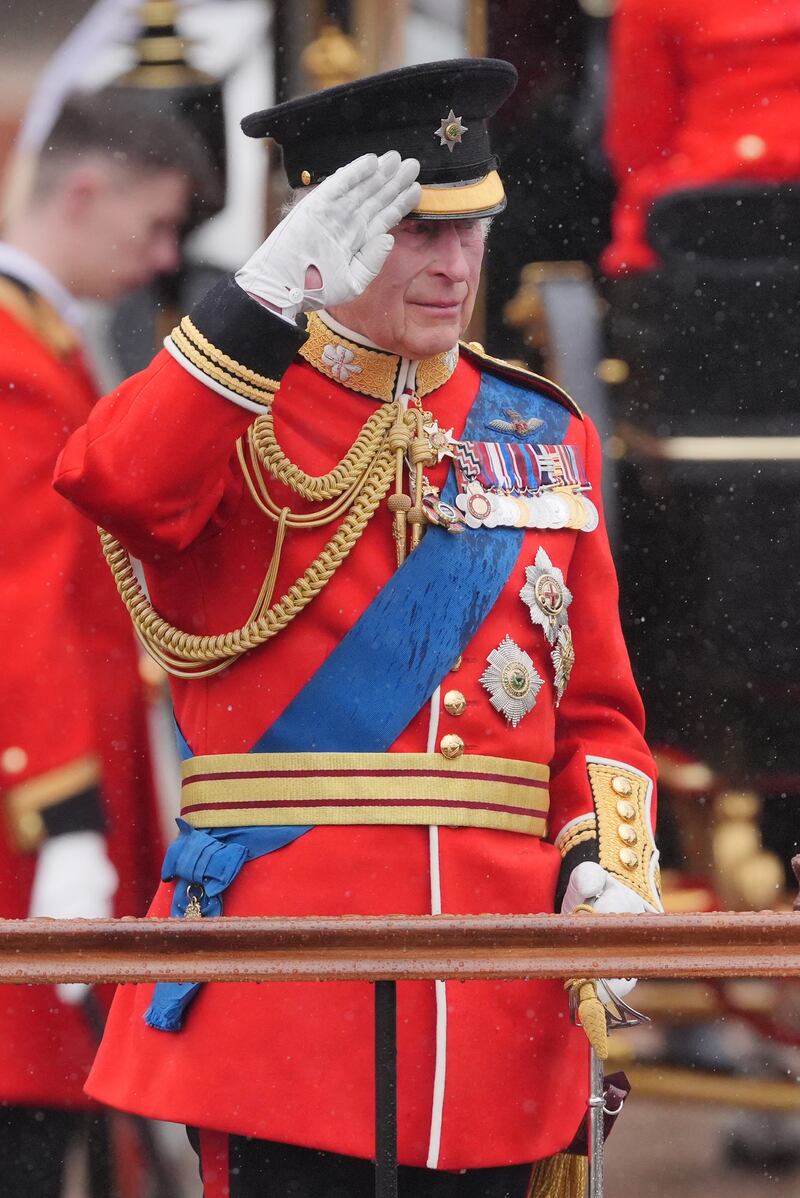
{"x": 516, "y": 424}
{"x": 450, "y": 130}
{"x": 511, "y": 680}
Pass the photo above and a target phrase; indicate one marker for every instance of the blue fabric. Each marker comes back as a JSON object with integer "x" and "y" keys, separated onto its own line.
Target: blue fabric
{"x": 399, "y": 650}
{"x": 209, "y": 861}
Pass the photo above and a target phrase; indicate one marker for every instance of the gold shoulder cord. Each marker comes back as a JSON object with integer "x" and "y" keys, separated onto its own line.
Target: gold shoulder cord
{"x": 358, "y": 483}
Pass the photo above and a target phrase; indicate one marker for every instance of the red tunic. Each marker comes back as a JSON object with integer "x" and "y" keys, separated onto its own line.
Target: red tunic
{"x": 698, "y": 94}
{"x": 71, "y": 688}
{"x": 298, "y": 1058}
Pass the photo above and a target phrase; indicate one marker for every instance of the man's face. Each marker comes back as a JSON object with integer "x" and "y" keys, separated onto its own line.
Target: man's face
{"x": 422, "y": 300}
{"x": 128, "y": 224}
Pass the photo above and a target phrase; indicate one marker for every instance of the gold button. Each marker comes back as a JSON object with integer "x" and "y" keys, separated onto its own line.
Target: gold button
{"x": 457, "y": 664}
{"x": 305, "y": 178}
{"x": 626, "y": 809}
{"x": 451, "y": 746}
{"x": 621, "y": 785}
{"x": 628, "y": 858}
{"x": 13, "y": 760}
{"x": 627, "y": 834}
{"x": 455, "y": 703}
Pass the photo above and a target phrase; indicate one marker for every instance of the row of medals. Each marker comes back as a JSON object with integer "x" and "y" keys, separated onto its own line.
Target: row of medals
{"x": 476, "y": 507}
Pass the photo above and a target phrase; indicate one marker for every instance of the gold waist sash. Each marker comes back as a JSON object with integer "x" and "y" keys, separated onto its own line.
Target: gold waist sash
{"x": 246, "y": 789}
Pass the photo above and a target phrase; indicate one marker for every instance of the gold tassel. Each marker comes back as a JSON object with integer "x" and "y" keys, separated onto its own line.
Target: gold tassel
{"x": 591, "y": 1014}
{"x": 559, "y": 1176}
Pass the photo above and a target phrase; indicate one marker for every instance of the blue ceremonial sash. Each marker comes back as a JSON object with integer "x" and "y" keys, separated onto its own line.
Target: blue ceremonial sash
{"x": 377, "y": 678}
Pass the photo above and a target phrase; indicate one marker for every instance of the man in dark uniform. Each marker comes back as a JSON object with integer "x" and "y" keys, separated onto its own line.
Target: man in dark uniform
{"x": 419, "y": 724}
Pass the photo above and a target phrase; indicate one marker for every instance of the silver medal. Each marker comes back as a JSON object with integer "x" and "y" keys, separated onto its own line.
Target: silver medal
{"x": 592, "y": 518}
{"x": 561, "y": 512}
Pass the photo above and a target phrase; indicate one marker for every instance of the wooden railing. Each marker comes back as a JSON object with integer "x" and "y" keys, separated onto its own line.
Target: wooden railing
{"x": 400, "y": 948}
{"x": 752, "y": 944}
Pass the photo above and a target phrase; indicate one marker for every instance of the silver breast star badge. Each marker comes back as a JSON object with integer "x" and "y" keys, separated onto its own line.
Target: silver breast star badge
{"x": 547, "y": 596}
{"x": 511, "y": 680}
{"x": 450, "y": 131}
{"x": 516, "y": 424}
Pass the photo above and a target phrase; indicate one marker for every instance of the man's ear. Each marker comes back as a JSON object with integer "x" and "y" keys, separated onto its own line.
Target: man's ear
{"x": 83, "y": 188}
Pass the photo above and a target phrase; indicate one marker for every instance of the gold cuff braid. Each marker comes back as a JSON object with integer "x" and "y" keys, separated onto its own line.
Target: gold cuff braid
{"x": 223, "y": 369}
{"x": 575, "y": 834}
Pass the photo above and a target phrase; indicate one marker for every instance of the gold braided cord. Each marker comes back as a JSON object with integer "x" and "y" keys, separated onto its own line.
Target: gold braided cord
{"x": 254, "y": 478}
{"x": 190, "y": 329}
{"x": 232, "y": 382}
{"x": 176, "y": 665}
{"x": 338, "y": 480}
{"x": 184, "y": 654}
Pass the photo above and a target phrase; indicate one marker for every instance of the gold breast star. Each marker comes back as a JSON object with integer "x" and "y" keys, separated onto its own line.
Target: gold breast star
{"x": 450, "y": 130}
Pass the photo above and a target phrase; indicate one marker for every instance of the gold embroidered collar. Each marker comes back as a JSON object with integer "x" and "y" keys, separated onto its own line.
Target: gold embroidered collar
{"x": 369, "y": 370}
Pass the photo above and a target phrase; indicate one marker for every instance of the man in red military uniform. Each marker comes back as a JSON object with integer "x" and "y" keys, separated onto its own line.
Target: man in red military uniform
{"x": 460, "y": 734}
{"x": 78, "y": 800}
{"x": 696, "y": 100}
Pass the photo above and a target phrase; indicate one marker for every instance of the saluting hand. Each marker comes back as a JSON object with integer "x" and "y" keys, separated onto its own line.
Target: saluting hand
{"x": 333, "y": 243}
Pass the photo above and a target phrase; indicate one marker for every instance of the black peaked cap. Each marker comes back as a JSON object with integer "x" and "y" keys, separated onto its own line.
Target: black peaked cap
{"x": 410, "y": 110}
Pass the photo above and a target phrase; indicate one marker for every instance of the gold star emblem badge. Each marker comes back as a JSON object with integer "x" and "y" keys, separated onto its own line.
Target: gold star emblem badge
{"x": 450, "y": 130}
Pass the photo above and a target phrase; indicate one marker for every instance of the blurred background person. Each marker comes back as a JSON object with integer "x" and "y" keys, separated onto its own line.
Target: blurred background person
{"x": 81, "y": 834}
{"x": 697, "y": 95}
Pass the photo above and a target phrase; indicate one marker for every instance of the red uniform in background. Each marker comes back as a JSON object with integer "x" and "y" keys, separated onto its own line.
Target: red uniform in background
{"x": 699, "y": 93}
{"x": 72, "y": 716}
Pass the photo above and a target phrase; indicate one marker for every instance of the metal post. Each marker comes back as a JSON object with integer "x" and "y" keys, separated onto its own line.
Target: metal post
{"x": 596, "y": 1125}
{"x": 385, "y": 1090}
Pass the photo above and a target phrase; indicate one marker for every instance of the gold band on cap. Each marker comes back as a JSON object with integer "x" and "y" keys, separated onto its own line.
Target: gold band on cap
{"x": 480, "y": 198}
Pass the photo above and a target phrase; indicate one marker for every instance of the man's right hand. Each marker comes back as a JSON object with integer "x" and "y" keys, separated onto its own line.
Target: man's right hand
{"x": 335, "y": 240}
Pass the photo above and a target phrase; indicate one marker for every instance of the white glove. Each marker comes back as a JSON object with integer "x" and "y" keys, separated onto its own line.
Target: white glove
{"x": 341, "y": 229}
{"x": 590, "y": 883}
{"x": 74, "y": 879}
